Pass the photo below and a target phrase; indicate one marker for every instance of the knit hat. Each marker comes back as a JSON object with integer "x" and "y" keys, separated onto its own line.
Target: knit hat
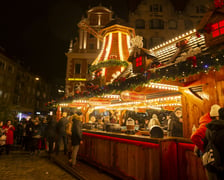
{"x": 154, "y": 116}
{"x": 214, "y": 110}
{"x": 178, "y": 109}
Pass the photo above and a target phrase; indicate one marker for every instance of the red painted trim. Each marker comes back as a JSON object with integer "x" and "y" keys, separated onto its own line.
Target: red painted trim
{"x": 186, "y": 146}
{"x": 127, "y": 141}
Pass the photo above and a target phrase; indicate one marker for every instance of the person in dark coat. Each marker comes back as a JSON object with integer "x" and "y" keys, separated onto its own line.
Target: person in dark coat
{"x": 36, "y": 137}
{"x": 176, "y": 124}
{"x": 76, "y": 137}
{"x": 217, "y": 126}
{"x": 50, "y": 133}
{"x": 61, "y": 133}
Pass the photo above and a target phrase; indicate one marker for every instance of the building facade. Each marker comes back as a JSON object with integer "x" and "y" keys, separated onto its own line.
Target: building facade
{"x": 86, "y": 48}
{"x": 160, "y": 20}
{"x": 20, "y": 90}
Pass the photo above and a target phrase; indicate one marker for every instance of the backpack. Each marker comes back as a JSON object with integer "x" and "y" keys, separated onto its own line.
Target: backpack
{"x": 211, "y": 158}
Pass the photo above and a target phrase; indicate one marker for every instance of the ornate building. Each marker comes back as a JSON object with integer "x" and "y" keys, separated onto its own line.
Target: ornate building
{"x": 86, "y": 48}
{"x": 160, "y": 20}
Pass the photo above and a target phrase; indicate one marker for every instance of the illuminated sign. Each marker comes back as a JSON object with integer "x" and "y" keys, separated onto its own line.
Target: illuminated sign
{"x": 76, "y": 79}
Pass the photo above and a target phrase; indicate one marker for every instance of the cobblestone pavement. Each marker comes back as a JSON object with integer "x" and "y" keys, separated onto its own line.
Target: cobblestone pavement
{"x": 20, "y": 165}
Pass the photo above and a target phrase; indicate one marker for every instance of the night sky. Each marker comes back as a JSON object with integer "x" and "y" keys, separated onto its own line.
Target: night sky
{"x": 38, "y": 32}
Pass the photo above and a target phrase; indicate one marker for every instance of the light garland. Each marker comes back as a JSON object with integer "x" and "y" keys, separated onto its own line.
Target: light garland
{"x": 174, "y": 39}
{"x": 161, "y": 86}
{"x": 176, "y": 98}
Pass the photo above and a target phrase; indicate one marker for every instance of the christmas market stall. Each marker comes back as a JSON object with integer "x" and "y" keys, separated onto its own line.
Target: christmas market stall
{"x": 185, "y": 72}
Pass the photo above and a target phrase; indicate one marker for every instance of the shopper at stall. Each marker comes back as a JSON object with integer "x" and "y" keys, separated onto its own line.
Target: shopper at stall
{"x": 153, "y": 121}
{"x": 176, "y": 123}
{"x": 199, "y": 135}
{"x": 9, "y": 131}
{"x": 36, "y": 137}
{"x": 69, "y": 135}
{"x": 51, "y": 133}
{"x": 76, "y": 138}
{"x": 61, "y": 133}
{"x": 215, "y": 134}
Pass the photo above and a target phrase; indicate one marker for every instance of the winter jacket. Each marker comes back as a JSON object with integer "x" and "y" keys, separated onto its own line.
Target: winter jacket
{"x": 9, "y": 134}
{"x": 199, "y": 135}
{"x": 176, "y": 127}
{"x": 50, "y": 130}
{"x": 61, "y": 126}
{"x": 218, "y": 127}
{"x": 76, "y": 132}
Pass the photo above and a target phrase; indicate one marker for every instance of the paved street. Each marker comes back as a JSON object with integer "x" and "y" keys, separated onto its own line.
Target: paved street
{"x": 20, "y": 165}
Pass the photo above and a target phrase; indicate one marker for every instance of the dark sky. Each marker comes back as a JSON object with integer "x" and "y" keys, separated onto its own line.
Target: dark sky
{"x": 38, "y": 32}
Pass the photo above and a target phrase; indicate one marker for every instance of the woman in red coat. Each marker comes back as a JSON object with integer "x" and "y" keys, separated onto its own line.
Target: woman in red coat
{"x": 9, "y": 129}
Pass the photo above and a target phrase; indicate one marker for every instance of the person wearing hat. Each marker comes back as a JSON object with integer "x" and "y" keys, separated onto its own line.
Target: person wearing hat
{"x": 76, "y": 138}
{"x": 176, "y": 123}
{"x": 199, "y": 135}
{"x": 153, "y": 121}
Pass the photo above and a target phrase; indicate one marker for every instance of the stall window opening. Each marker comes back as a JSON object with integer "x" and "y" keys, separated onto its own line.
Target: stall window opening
{"x": 138, "y": 61}
{"x": 218, "y": 29}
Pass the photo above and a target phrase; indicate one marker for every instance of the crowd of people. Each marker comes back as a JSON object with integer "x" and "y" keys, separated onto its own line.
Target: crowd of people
{"x": 36, "y": 134}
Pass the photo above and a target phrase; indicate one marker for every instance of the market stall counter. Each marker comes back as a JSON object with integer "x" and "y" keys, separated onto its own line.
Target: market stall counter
{"x": 141, "y": 157}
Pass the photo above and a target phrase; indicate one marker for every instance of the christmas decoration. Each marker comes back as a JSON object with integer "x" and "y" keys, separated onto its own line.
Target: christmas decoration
{"x": 219, "y": 3}
{"x": 192, "y": 65}
{"x": 108, "y": 63}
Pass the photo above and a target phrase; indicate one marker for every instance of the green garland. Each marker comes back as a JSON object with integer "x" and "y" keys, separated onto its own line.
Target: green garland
{"x": 108, "y": 63}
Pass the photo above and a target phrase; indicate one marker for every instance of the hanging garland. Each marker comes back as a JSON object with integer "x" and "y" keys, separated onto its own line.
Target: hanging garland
{"x": 108, "y": 63}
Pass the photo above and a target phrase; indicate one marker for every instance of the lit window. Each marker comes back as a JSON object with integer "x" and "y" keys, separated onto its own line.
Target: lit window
{"x": 138, "y": 61}
{"x": 218, "y": 29}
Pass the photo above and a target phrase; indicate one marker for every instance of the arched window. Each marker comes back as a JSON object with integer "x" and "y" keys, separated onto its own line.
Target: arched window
{"x": 156, "y": 8}
{"x": 172, "y": 24}
{"x": 188, "y": 24}
{"x": 156, "y": 24}
{"x": 140, "y": 24}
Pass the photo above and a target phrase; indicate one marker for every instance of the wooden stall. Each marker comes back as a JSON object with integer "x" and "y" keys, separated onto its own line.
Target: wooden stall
{"x": 138, "y": 157}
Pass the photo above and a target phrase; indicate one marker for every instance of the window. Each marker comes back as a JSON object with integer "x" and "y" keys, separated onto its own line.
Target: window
{"x": 200, "y": 9}
{"x": 91, "y": 36}
{"x": 2, "y": 65}
{"x": 155, "y": 8}
{"x": 77, "y": 68}
{"x": 188, "y": 24}
{"x": 140, "y": 24}
{"x": 218, "y": 29}
{"x": 156, "y": 24}
{"x": 138, "y": 61}
{"x": 91, "y": 46}
{"x": 10, "y": 69}
{"x": 172, "y": 24}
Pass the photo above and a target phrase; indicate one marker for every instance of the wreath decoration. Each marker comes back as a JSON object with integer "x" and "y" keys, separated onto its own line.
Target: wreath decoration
{"x": 108, "y": 63}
